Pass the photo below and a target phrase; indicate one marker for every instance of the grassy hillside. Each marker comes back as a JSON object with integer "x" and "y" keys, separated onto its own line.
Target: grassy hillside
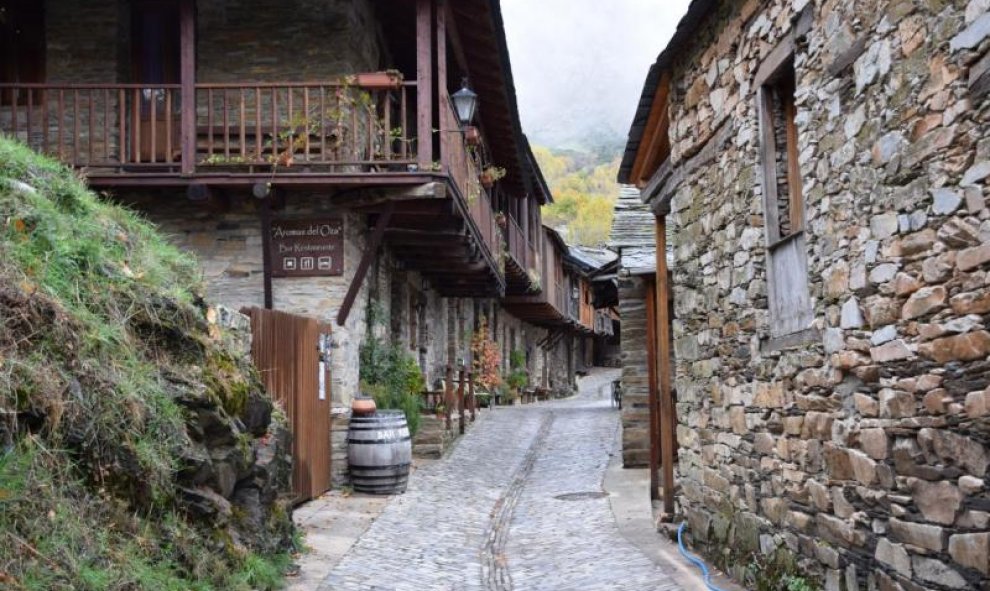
{"x": 584, "y": 191}
{"x": 137, "y": 449}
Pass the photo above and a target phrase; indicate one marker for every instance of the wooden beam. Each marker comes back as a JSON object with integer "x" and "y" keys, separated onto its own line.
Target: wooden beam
{"x": 266, "y": 249}
{"x": 654, "y": 388}
{"x": 187, "y": 79}
{"x": 652, "y": 129}
{"x": 668, "y": 420}
{"x": 370, "y": 251}
{"x": 424, "y": 83}
{"x": 447, "y": 136}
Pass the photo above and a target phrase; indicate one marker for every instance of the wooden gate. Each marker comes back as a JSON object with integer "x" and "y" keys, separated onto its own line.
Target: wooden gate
{"x": 293, "y": 355}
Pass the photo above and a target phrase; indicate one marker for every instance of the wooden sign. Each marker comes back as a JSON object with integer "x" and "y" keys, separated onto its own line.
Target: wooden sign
{"x": 307, "y": 247}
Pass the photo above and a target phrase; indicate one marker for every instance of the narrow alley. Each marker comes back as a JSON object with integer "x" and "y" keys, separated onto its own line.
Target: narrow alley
{"x": 519, "y": 503}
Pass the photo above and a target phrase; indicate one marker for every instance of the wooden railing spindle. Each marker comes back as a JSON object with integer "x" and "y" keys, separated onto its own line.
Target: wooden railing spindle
{"x": 168, "y": 127}
{"x": 30, "y": 115}
{"x": 106, "y": 125}
{"x": 153, "y": 132}
{"x": 209, "y": 122}
{"x": 75, "y": 125}
{"x": 242, "y": 146}
{"x": 226, "y": 128}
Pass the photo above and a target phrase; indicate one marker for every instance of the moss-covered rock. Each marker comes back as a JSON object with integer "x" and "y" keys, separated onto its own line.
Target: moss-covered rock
{"x": 139, "y": 449}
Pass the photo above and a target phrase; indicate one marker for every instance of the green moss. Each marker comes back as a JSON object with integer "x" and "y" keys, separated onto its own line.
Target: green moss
{"x": 100, "y": 322}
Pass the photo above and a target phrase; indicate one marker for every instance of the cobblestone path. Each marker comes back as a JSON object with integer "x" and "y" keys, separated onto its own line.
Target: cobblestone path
{"x": 518, "y": 504}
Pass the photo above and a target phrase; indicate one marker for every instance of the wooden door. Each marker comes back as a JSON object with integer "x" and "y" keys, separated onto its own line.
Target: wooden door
{"x": 154, "y": 61}
{"x": 293, "y": 355}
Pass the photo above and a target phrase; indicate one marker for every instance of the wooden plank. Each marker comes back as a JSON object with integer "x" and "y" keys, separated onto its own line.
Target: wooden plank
{"x": 655, "y": 135}
{"x": 424, "y": 84}
{"x": 668, "y": 420}
{"x": 793, "y": 166}
{"x": 266, "y": 249}
{"x": 187, "y": 78}
{"x": 654, "y": 389}
{"x": 286, "y": 349}
{"x": 371, "y": 250}
{"x": 768, "y": 163}
{"x": 448, "y": 137}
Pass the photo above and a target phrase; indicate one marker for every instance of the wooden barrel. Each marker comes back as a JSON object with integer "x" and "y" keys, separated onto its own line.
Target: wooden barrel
{"x": 379, "y": 452}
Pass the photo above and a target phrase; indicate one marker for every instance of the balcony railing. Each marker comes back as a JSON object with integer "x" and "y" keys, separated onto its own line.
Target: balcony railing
{"x": 460, "y": 163}
{"x": 516, "y": 240}
{"x": 138, "y": 128}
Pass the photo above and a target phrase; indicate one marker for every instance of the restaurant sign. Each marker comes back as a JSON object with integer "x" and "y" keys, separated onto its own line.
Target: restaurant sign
{"x": 307, "y": 247}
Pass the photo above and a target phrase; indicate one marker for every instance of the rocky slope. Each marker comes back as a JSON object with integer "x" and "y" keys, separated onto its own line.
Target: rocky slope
{"x": 138, "y": 449}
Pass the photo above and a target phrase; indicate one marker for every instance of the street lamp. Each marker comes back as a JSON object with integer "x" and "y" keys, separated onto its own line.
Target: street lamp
{"x": 465, "y": 103}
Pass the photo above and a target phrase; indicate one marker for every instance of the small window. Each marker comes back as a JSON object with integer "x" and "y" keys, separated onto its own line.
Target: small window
{"x": 22, "y": 48}
{"x": 783, "y": 199}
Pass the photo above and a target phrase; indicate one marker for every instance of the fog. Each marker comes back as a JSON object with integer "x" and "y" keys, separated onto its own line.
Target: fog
{"x": 579, "y": 65}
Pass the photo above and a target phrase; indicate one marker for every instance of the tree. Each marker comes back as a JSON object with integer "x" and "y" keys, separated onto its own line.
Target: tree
{"x": 584, "y": 189}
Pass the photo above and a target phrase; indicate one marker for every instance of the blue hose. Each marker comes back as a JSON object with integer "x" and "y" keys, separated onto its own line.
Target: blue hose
{"x": 694, "y": 559}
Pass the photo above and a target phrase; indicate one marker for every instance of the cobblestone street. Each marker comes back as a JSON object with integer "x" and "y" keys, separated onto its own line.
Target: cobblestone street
{"x": 518, "y": 504}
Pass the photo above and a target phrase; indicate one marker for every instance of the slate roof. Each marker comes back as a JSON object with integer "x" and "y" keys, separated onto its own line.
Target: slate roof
{"x": 632, "y": 235}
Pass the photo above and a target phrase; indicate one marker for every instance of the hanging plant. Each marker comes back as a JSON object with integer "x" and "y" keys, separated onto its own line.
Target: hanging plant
{"x": 490, "y": 175}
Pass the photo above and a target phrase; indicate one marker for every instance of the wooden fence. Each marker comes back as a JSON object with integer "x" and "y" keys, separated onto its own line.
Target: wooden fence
{"x": 292, "y": 354}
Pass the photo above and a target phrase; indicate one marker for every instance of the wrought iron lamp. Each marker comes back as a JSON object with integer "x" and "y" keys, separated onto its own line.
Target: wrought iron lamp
{"x": 465, "y": 103}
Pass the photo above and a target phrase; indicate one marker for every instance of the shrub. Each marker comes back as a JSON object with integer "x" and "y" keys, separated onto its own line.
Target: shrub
{"x": 390, "y": 375}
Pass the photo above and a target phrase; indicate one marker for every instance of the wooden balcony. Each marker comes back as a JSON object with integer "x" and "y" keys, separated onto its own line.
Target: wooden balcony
{"x": 550, "y": 304}
{"x": 144, "y": 134}
{"x": 522, "y": 265}
{"x": 319, "y": 134}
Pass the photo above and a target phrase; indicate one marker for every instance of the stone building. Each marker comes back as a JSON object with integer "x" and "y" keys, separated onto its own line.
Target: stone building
{"x": 633, "y": 240}
{"x": 312, "y": 155}
{"x": 822, "y": 167}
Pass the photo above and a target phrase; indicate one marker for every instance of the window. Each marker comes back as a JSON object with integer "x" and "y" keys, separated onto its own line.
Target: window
{"x": 783, "y": 199}
{"x": 22, "y": 47}
{"x": 781, "y": 154}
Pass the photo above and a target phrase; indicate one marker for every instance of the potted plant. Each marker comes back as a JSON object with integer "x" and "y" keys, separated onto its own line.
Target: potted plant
{"x": 518, "y": 377}
{"x": 490, "y": 174}
{"x": 386, "y": 80}
{"x": 500, "y": 219}
{"x": 440, "y": 410}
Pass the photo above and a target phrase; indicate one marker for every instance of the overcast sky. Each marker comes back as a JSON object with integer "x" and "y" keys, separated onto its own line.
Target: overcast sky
{"x": 579, "y": 65}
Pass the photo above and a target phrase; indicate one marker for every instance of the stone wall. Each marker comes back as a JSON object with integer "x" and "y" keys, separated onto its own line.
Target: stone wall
{"x": 84, "y": 40}
{"x": 90, "y": 42}
{"x": 861, "y": 446}
{"x": 301, "y": 40}
{"x": 227, "y": 240}
{"x": 635, "y": 377}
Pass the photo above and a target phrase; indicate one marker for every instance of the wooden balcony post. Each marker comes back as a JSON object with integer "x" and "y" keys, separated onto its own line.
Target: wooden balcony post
{"x": 448, "y": 395}
{"x": 525, "y": 230}
{"x": 654, "y": 389}
{"x": 187, "y": 77}
{"x": 443, "y": 102}
{"x": 668, "y": 421}
{"x": 424, "y": 84}
{"x": 471, "y": 397}
{"x": 460, "y": 399}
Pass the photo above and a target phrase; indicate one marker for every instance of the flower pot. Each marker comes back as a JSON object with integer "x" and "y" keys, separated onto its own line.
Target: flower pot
{"x": 379, "y": 80}
{"x": 363, "y": 406}
{"x": 486, "y": 180}
{"x": 472, "y": 135}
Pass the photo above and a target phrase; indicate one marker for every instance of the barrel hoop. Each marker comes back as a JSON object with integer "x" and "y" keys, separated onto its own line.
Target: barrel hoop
{"x": 376, "y": 441}
{"x": 406, "y": 465}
